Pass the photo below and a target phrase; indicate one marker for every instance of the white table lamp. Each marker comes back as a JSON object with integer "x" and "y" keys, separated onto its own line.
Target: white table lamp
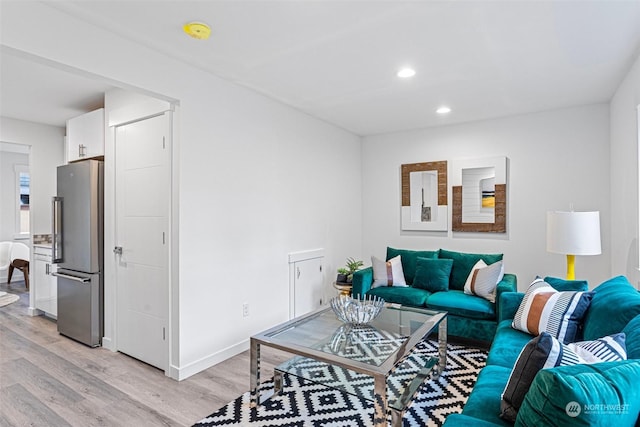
{"x": 573, "y": 233}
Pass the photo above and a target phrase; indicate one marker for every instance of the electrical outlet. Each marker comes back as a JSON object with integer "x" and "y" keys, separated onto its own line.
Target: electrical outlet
{"x": 245, "y": 309}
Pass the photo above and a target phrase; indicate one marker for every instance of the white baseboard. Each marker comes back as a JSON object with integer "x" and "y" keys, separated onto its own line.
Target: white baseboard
{"x": 184, "y": 372}
{"x": 32, "y": 311}
{"x": 108, "y": 344}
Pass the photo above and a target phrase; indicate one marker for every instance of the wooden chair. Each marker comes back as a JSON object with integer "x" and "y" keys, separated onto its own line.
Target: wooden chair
{"x": 19, "y": 260}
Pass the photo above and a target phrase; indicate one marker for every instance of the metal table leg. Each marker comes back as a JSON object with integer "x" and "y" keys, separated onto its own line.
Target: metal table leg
{"x": 380, "y": 401}
{"x": 442, "y": 347}
{"x": 254, "y": 377}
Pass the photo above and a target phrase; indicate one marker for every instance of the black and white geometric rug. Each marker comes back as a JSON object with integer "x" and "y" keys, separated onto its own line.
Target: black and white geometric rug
{"x": 305, "y": 403}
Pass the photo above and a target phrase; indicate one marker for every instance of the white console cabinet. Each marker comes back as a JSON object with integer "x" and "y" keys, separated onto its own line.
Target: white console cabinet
{"x": 85, "y": 136}
{"x": 45, "y": 285}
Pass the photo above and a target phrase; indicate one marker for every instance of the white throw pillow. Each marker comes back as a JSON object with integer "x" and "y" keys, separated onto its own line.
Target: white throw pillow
{"x": 387, "y": 273}
{"x": 483, "y": 279}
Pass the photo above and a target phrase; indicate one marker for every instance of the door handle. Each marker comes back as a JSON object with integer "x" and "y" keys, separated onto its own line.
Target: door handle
{"x": 117, "y": 250}
{"x": 74, "y": 278}
{"x": 57, "y": 231}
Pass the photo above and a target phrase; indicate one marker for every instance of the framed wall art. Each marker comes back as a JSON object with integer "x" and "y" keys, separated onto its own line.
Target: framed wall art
{"x": 424, "y": 196}
{"x": 479, "y": 193}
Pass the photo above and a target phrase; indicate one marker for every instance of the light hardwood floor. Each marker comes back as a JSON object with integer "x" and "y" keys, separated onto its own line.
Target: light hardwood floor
{"x": 49, "y": 380}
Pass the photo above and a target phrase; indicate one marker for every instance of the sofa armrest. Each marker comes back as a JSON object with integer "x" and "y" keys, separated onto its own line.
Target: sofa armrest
{"x": 361, "y": 282}
{"x": 509, "y": 303}
{"x": 509, "y": 283}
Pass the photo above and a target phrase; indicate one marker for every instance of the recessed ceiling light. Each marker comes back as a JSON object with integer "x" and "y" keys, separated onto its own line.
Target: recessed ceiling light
{"x": 406, "y": 73}
{"x": 197, "y": 30}
{"x": 443, "y": 110}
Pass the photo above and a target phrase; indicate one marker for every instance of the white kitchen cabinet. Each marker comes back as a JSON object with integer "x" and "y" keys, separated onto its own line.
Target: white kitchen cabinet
{"x": 45, "y": 285}
{"x": 85, "y": 136}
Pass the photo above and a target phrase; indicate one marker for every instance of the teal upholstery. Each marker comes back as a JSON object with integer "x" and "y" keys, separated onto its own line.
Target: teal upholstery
{"x": 614, "y": 384}
{"x": 476, "y": 329}
{"x": 401, "y": 295}
{"x": 614, "y": 303}
{"x": 433, "y": 274}
{"x": 509, "y": 303}
{"x": 507, "y": 345}
{"x": 617, "y": 309}
{"x": 462, "y": 420}
{"x": 469, "y": 316}
{"x": 460, "y": 304}
{"x": 361, "y": 282}
{"x": 484, "y": 402}
{"x": 632, "y": 341}
{"x": 409, "y": 260}
{"x": 564, "y": 285}
{"x": 463, "y": 264}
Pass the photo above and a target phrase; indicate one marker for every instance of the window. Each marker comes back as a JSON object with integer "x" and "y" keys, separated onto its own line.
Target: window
{"x": 23, "y": 214}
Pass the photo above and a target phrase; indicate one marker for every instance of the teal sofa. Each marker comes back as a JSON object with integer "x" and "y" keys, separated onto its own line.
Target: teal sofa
{"x": 469, "y": 316}
{"x": 615, "y": 307}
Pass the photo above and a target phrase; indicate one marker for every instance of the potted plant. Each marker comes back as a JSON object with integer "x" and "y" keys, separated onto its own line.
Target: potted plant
{"x": 345, "y": 274}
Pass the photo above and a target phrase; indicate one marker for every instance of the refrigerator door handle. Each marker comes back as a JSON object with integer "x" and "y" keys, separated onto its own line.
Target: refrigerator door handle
{"x": 56, "y": 221}
{"x": 74, "y": 278}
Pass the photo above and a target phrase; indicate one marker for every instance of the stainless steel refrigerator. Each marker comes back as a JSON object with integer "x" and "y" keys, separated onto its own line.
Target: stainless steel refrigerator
{"x": 78, "y": 229}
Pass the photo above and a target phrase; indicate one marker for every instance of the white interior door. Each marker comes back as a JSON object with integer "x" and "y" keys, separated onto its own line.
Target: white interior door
{"x": 143, "y": 189}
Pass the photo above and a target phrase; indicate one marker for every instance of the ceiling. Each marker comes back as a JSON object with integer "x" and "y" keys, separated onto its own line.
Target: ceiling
{"x": 337, "y": 60}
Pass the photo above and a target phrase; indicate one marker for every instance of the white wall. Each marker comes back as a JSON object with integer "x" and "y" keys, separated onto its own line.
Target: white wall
{"x": 256, "y": 180}
{"x": 555, "y": 158}
{"x": 46, "y": 154}
{"x": 624, "y": 176}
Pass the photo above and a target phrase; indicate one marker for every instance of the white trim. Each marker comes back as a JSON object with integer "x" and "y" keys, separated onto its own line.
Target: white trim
{"x": 638, "y": 170}
{"x": 17, "y": 170}
{"x": 183, "y": 372}
{"x": 32, "y": 311}
{"x": 305, "y": 255}
{"x": 108, "y": 344}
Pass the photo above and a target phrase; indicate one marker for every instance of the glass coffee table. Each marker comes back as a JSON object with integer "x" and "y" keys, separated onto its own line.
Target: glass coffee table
{"x": 380, "y": 355}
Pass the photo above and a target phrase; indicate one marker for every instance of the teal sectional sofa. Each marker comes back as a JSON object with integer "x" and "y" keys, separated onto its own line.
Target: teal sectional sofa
{"x": 606, "y": 394}
{"x": 469, "y": 316}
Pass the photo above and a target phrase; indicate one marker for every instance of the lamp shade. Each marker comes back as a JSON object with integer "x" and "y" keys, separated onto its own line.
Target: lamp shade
{"x": 574, "y": 233}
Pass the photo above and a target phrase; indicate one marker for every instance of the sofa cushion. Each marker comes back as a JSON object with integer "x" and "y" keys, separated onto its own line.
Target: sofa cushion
{"x": 543, "y": 309}
{"x": 483, "y": 279}
{"x": 507, "y": 345}
{"x": 564, "y": 285}
{"x": 545, "y": 351}
{"x": 460, "y": 304}
{"x": 409, "y": 260}
{"x": 584, "y": 395}
{"x": 432, "y": 274}
{"x": 401, "y": 295}
{"x": 463, "y": 263}
{"x": 387, "y": 273}
{"x": 614, "y": 303}
{"x": 484, "y": 400}
{"x": 632, "y": 332}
